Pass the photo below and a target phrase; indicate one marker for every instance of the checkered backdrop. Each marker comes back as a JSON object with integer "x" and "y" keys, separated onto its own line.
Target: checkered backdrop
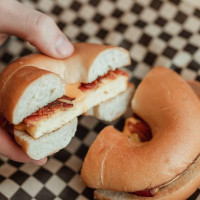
{"x": 155, "y": 32}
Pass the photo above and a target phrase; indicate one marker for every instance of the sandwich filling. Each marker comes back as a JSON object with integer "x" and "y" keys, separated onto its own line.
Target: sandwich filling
{"x": 63, "y": 103}
{"x": 110, "y": 75}
{"x": 79, "y": 98}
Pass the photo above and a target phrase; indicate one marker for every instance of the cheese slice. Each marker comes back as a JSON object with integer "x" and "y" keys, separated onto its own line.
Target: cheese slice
{"x": 73, "y": 91}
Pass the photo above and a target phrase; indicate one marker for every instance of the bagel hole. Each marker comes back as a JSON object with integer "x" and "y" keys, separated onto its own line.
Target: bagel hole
{"x": 140, "y": 130}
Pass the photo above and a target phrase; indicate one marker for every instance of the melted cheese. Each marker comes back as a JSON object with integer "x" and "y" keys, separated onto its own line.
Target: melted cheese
{"x": 73, "y": 91}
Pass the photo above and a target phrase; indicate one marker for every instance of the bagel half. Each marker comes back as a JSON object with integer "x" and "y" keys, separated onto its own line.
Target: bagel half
{"x": 49, "y": 143}
{"x": 26, "y": 90}
{"x": 113, "y": 108}
{"x": 117, "y": 163}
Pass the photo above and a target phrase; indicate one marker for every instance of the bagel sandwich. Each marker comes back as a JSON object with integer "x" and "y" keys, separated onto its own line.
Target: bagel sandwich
{"x": 24, "y": 90}
{"x": 40, "y": 95}
{"x": 163, "y": 161}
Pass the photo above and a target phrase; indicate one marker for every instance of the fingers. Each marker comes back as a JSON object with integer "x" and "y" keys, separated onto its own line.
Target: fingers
{"x": 3, "y": 38}
{"x": 10, "y": 149}
{"x": 37, "y": 28}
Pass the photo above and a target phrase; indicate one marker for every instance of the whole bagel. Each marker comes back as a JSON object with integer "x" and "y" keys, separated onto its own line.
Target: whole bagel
{"x": 172, "y": 110}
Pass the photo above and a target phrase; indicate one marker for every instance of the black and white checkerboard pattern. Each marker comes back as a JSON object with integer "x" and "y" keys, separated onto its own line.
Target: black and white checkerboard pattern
{"x": 156, "y": 33}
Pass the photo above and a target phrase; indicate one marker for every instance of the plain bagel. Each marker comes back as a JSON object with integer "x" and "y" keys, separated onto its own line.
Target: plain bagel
{"x": 172, "y": 110}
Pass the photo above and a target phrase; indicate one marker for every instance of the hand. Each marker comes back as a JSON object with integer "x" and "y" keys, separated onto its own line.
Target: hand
{"x": 33, "y": 26}
{"x": 42, "y": 32}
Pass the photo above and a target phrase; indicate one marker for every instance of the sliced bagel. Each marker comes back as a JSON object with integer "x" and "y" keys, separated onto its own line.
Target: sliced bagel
{"x": 116, "y": 163}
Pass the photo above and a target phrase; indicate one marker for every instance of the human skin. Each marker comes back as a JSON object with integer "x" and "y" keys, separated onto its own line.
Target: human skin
{"x": 42, "y": 32}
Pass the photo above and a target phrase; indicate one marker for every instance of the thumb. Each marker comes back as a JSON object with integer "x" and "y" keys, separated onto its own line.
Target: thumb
{"x": 35, "y": 27}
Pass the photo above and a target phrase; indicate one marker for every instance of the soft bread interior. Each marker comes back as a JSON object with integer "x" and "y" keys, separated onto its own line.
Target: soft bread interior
{"x": 109, "y": 59}
{"x": 181, "y": 188}
{"x": 88, "y": 99}
{"x": 113, "y": 108}
{"x": 49, "y": 143}
{"x": 39, "y": 93}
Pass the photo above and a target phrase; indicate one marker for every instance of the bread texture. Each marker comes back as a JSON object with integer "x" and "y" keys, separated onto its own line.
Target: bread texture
{"x": 172, "y": 110}
{"x": 85, "y": 65}
{"x": 25, "y": 90}
{"x": 113, "y": 108}
{"x": 49, "y": 143}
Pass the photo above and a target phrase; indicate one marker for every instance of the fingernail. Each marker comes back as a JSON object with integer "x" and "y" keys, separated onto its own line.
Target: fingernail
{"x": 39, "y": 162}
{"x": 63, "y": 47}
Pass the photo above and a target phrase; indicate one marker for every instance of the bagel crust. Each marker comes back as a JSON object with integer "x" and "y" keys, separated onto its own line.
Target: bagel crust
{"x": 14, "y": 85}
{"x": 172, "y": 110}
